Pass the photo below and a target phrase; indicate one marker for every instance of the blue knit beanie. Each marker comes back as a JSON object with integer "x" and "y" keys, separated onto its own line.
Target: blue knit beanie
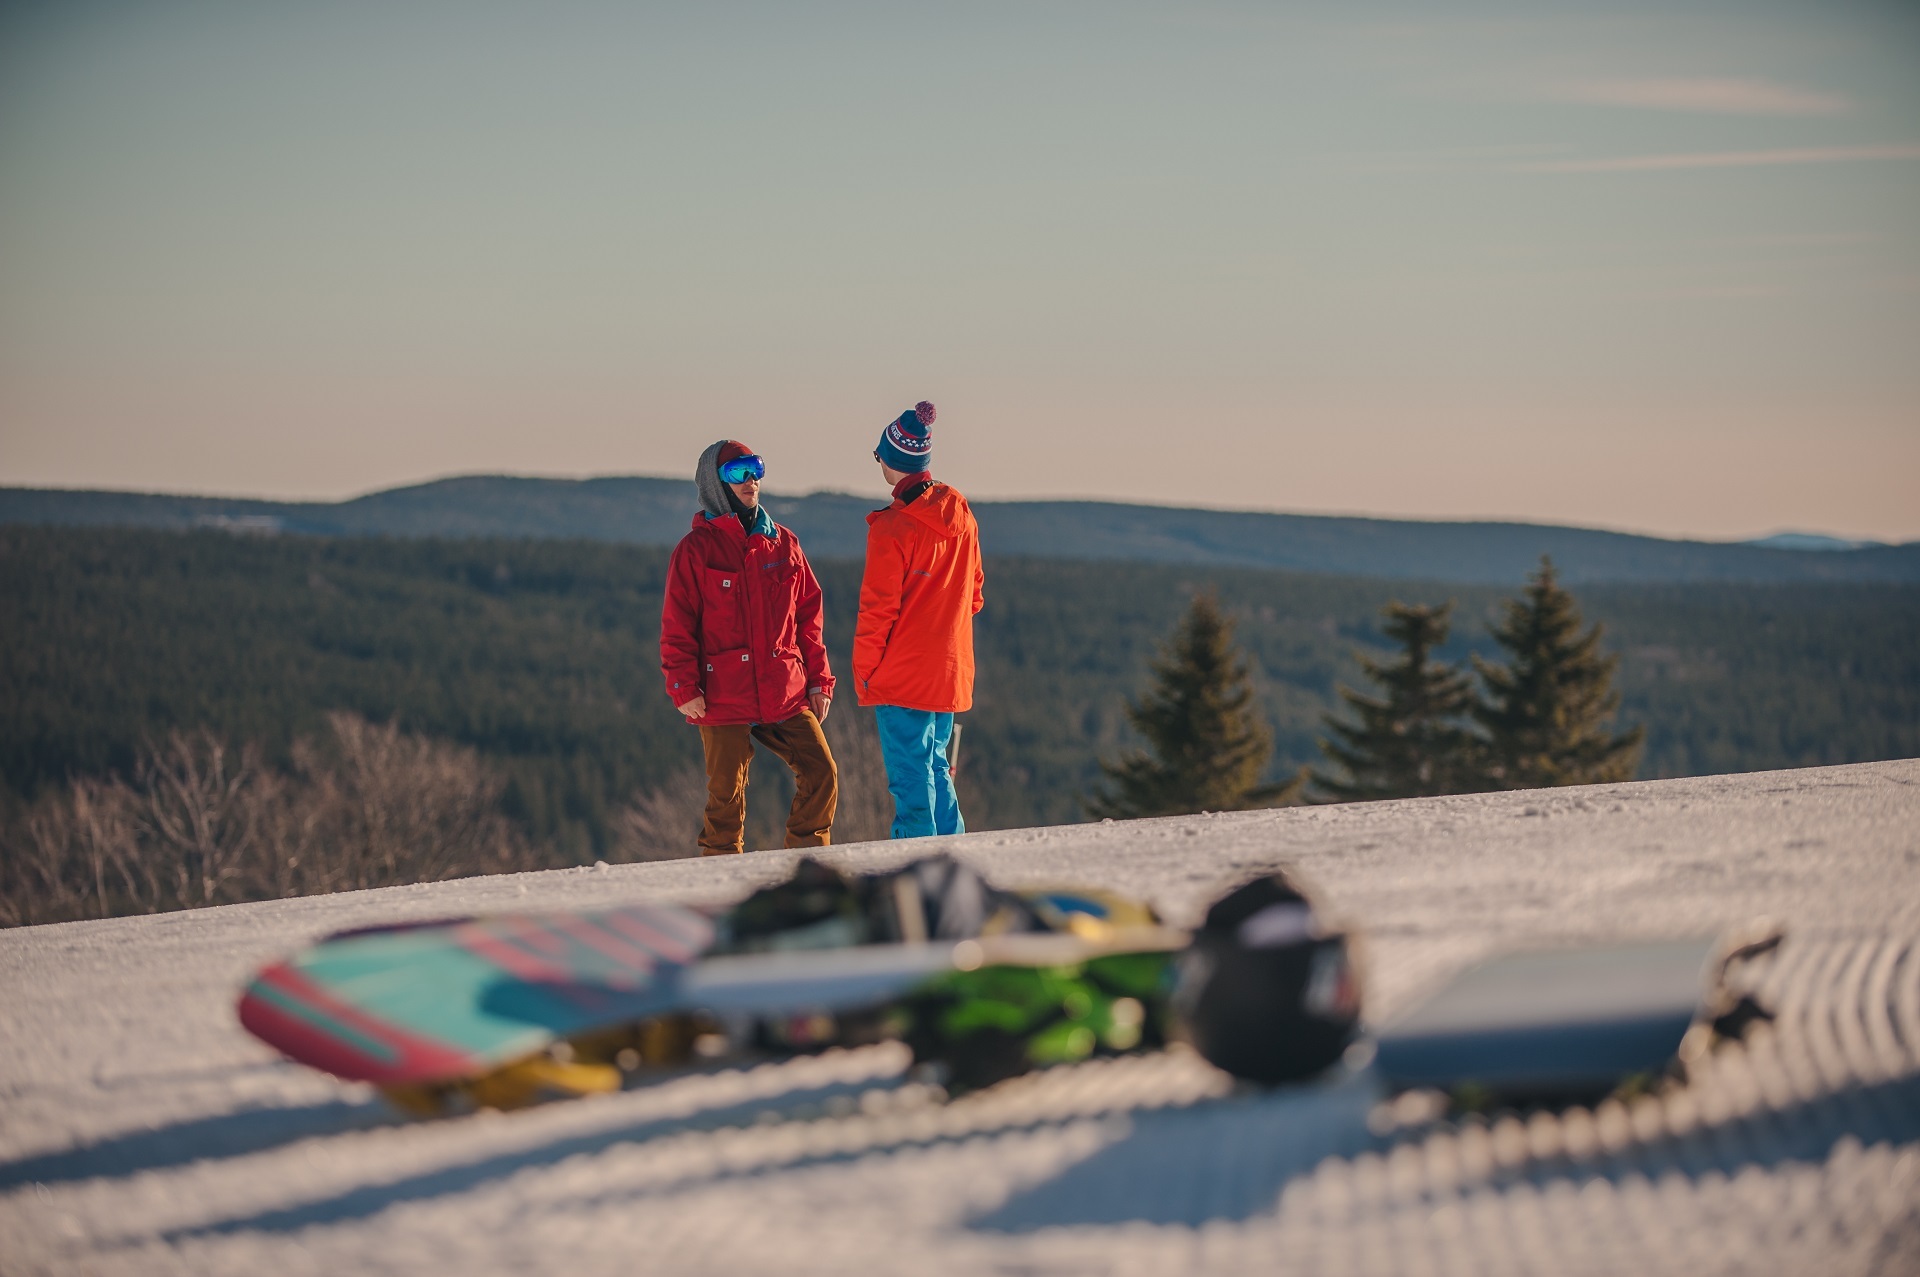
{"x": 906, "y": 444}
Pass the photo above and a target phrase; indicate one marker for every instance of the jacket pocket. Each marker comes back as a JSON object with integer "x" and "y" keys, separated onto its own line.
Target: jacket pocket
{"x": 790, "y": 674}
{"x": 729, "y": 682}
{"x": 722, "y": 608}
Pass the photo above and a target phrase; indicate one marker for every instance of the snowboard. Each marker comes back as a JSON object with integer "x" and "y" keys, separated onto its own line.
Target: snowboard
{"x": 981, "y": 984}
{"x": 425, "y": 1004}
{"x": 502, "y": 1011}
{"x": 1559, "y": 1026}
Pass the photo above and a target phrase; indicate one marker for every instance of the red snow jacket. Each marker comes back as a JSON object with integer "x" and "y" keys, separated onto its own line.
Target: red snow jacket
{"x": 741, "y": 623}
{"x": 913, "y": 645}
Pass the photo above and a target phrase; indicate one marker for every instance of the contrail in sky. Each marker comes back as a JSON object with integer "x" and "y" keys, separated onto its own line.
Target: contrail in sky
{"x": 1727, "y": 159}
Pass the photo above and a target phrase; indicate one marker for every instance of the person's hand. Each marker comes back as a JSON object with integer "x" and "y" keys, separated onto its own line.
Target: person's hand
{"x": 695, "y": 708}
{"x": 819, "y": 703}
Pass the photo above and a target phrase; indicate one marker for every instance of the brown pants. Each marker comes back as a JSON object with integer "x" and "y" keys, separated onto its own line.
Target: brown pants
{"x": 801, "y": 745}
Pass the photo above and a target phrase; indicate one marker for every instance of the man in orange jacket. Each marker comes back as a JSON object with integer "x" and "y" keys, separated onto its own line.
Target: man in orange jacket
{"x": 913, "y": 646}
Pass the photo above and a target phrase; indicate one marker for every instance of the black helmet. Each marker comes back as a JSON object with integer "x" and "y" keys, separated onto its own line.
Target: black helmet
{"x": 1264, "y": 992}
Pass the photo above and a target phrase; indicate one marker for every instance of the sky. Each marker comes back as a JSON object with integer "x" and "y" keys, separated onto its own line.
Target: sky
{"x": 1653, "y": 267}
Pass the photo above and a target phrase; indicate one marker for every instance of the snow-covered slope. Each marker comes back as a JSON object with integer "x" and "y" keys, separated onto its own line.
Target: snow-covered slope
{"x": 141, "y": 1131}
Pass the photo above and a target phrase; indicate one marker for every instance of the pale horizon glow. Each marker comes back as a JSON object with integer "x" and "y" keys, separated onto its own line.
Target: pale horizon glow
{"x": 1649, "y": 267}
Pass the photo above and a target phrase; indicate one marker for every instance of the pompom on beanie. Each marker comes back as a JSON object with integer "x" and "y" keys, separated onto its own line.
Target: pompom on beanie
{"x": 906, "y": 444}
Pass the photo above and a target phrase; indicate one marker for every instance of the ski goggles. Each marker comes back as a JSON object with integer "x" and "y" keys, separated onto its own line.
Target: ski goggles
{"x": 741, "y": 469}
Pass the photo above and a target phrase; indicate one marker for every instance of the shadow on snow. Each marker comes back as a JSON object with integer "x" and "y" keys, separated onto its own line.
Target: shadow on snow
{"x": 1227, "y": 1159}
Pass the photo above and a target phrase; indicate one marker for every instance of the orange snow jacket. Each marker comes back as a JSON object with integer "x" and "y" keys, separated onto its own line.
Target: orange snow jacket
{"x": 913, "y": 646}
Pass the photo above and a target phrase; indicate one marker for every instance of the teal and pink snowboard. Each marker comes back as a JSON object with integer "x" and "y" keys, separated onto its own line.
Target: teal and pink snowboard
{"x": 438, "y": 1002}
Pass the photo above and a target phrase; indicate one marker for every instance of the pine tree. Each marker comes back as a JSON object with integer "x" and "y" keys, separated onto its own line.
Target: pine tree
{"x": 1207, "y": 746}
{"x": 1411, "y": 742}
{"x": 1545, "y": 712}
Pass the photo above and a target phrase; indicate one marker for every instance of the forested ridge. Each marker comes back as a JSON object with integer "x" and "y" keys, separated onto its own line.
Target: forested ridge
{"x": 542, "y": 655}
{"x": 638, "y": 510}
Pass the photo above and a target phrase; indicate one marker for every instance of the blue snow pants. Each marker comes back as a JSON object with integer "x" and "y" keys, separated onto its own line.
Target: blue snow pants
{"x": 914, "y": 744}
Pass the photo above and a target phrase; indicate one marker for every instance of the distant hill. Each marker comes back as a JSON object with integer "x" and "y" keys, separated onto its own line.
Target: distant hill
{"x": 1810, "y": 541}
{"x": 639, "y": 510}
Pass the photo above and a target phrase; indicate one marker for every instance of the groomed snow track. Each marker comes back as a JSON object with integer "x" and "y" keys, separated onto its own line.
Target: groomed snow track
{"x": 143, "y": 1132}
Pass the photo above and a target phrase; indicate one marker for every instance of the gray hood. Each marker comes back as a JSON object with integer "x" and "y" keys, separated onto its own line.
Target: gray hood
{"x": 706, "y": 481}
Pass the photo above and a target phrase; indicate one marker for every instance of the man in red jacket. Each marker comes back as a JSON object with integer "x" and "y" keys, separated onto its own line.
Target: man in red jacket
{"x": 741, "y": 651}
{"x": 913, "y": 646}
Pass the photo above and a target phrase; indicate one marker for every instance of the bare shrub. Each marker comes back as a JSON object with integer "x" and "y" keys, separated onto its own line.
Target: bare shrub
{"x": 38, "y": 878}
{"x": 663, "y": 823}
{"x": 194, "y": 807}
{"x": 866, "y": 808}
{"x": 295, "y": 818}
{"x": 101, "y": 848}
{"x": 201, "y": 824}
{"x": 106, "y": 844}
{"x": 407, "y": 809}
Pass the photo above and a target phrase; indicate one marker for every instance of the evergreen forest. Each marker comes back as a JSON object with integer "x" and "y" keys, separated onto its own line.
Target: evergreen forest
{"x": 541, "y": 657}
